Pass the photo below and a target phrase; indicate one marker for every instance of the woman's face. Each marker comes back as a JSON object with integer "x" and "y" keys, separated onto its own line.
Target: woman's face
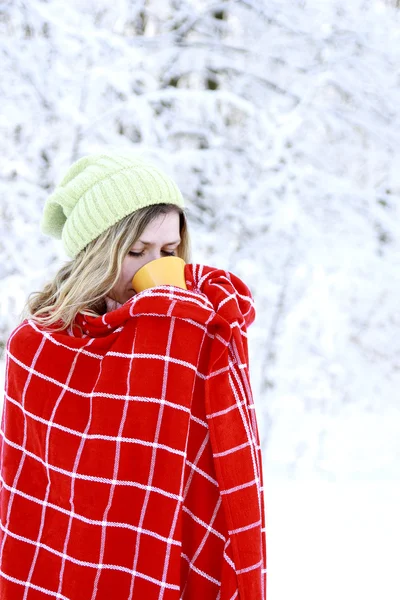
{"x": 160, "y": 238}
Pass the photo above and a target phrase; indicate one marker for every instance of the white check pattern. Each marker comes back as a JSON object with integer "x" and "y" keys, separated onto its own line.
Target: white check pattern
{"x": 131, "y": 464}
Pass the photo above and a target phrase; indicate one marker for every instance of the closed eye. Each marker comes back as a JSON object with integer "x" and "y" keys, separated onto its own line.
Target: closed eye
{"x": 139, "y": 254}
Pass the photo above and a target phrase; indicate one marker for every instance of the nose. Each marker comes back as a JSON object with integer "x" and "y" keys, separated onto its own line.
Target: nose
{"x": 154, "y": 254}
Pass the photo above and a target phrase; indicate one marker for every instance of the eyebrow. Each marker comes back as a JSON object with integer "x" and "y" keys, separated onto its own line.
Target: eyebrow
{"x": 151, "y": 243}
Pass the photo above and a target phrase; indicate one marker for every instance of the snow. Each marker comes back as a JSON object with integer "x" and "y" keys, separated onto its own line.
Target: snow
{"x": 280, "y": 123}
{"x": 330, "y": 540}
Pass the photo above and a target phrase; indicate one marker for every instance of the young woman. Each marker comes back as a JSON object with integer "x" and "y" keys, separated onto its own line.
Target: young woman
{"x": 130, "y": 459}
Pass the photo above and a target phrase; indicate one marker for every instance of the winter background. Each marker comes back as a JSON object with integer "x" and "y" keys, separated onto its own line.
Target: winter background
{"x": 280, "y": 122}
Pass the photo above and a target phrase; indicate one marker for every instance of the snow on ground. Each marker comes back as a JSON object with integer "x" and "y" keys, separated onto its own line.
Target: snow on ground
{"x": 331, "y": 541}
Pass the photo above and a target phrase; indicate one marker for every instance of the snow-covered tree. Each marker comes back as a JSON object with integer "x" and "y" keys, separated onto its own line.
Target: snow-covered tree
{"x": 280, "y": 123}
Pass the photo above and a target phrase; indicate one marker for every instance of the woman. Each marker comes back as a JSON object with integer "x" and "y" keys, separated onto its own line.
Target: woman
{"x": 131, "y": 465}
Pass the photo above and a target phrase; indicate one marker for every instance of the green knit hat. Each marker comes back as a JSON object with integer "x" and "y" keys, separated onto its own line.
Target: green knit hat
{"x": 98, "y": 191}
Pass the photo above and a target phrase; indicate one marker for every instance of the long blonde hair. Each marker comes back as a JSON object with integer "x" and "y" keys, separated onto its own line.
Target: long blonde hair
{"x": 82, "y": 284}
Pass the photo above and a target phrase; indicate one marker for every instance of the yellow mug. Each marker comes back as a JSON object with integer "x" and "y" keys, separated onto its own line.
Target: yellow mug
{"x": 168, "y": 270}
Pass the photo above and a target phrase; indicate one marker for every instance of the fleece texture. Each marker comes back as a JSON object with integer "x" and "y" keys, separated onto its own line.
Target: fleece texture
{"x": 130, "y": 457}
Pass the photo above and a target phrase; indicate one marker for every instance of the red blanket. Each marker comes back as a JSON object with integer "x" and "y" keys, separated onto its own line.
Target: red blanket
{"x": 131, "y": 464}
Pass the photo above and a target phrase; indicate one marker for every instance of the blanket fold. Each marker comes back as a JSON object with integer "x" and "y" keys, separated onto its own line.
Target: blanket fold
{"x": 131, "y": 463}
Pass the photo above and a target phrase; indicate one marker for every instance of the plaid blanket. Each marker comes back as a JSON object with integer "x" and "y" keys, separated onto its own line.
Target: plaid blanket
{"x": 131, "y": 464}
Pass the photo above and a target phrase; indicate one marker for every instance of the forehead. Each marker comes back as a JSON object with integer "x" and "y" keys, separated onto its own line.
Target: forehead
{"x": 164, "y": 229}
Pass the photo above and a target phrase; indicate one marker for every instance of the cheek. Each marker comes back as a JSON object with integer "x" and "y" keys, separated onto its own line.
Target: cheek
{"x": 129, "y": 269}
{"x": 125, "y": 274}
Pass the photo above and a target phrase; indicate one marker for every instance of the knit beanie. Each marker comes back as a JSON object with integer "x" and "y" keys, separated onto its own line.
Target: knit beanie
{"x": 98, "y": 191}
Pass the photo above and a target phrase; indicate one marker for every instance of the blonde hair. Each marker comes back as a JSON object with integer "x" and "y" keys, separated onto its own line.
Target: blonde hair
{"x": 82, "y": 284}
